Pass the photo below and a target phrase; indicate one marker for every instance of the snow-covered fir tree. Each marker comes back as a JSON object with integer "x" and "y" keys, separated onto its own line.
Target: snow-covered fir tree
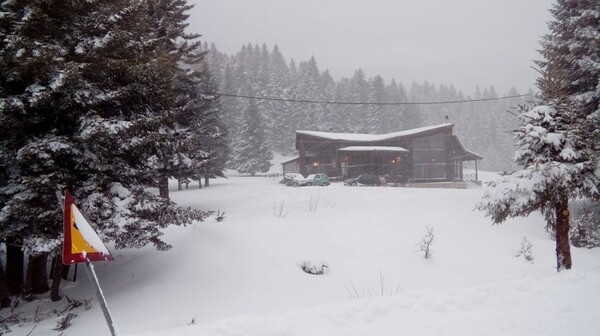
{"x": 84, "y": 94}
{"x": 375, "y": 113}
{"x": 557, "y": 140}
{"x": 253, "y": 153}
{"x": 278, "y": 113}
{"x": 210, "y": 150}
{"x": 327, "y": 87}
{"x": 358, "y": 91}
{"x": 310, "y": 116}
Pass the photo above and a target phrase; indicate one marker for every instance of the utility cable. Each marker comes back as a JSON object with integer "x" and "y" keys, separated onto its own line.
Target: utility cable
{"x": 308, "y": 101}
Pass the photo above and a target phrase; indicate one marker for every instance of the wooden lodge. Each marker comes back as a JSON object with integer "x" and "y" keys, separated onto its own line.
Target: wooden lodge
{"x": 425, "y": 154}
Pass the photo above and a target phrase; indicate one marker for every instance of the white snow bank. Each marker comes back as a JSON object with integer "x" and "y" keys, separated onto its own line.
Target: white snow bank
{"x": 512, "y": 307}
{"x": 241, "y": 276}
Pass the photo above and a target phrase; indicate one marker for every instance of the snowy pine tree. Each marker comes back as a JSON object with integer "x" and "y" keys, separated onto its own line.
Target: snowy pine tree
{"x": 358, "y": 91}
{"x": 83, "y": 95}
{"x": 278, "y": 113}
{"x": 253, "y": 154}
{"x": 310, "y": 116}
{"x": 375, "y": 113}
{"x": 557, "y": 147}
{"x": 210, "y": 149}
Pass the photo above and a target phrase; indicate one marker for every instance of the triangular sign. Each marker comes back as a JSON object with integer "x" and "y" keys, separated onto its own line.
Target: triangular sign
{"x": 82, "y": 243}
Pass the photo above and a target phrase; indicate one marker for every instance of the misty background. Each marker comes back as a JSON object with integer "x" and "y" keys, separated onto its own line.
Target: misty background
{"x": 464, "y": 43}
{"x": 376, "y": 51}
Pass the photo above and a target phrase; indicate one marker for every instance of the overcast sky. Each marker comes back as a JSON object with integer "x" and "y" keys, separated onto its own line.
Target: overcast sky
{"x": 466, "y": 43}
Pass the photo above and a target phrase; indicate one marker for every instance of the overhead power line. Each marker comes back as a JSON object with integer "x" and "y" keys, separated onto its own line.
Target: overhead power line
{"x": 309, "y": 101}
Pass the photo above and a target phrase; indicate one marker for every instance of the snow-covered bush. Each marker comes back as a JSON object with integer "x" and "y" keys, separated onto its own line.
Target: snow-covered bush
{"x": 354, "y": 293}
{"x": 525, "y": 249}
{"x": 426, "y": 241}
{"x": 314, "y": 267}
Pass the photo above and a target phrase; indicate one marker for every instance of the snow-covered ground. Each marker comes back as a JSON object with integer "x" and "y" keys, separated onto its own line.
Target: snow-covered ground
{"x": 241, "y": 276}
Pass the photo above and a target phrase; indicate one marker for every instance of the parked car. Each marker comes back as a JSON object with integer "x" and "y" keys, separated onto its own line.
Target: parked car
{"x": 313, "y": 179}
{"x": 290, "y": 178}
{"x": 398, "y": 179}
{"x": 364, "y": 179}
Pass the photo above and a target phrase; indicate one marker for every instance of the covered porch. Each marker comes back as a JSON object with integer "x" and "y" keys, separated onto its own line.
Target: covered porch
{"x": 374, "y": 160}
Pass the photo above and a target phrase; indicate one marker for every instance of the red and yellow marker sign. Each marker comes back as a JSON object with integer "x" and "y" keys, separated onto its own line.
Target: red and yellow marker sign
{"x": 82, "y": 243}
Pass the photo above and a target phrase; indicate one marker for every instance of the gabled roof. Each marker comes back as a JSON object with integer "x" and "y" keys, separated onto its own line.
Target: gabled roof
{"x": 372, "y": 137}
{"x": 465, "y": 155}
{"x": 373, "y": 149}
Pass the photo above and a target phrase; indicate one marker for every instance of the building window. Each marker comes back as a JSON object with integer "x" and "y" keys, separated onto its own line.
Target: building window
{"x": 429, "y": 158}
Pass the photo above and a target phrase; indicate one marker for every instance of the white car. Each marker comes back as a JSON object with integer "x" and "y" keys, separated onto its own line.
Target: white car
{"x": 290, "y": 178}
{"x": 313, "y": 179}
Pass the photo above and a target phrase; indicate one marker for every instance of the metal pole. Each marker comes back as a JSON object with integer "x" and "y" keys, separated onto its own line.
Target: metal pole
{"x": 96, "y": 285}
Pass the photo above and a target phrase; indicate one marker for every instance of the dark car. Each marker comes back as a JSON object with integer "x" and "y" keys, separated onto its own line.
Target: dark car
{"x": 364, "y": 179}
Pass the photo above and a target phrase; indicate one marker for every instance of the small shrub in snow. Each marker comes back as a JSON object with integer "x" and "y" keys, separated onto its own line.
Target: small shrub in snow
{"x": 525, "y": 249}
{"x": 426, "y": 241}
{"x": 354, "y": 293}
{"x": 314, "y": 267}
{"x": 14, "y": 318}
{"x": 57, "y": 309}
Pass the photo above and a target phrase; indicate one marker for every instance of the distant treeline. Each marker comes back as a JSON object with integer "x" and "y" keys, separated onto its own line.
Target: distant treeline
{"x": 484, "y": 127}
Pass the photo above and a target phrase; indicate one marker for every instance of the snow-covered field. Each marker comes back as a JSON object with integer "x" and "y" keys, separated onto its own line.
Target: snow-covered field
{"x": 242, "y": 276}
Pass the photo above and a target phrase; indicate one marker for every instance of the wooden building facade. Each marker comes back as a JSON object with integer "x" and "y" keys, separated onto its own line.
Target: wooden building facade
{"x": 421, "y": 155}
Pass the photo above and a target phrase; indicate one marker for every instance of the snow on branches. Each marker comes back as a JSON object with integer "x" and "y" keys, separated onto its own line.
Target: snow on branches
{"x": 554, "y": 160}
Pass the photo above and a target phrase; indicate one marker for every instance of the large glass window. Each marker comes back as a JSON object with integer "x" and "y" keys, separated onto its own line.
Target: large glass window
{"x": 429, "y": 157}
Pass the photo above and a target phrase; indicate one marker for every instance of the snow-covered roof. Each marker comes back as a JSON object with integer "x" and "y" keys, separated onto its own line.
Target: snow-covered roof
{"x": 465, "y": 155}
{"x": 373, "y": 148}
{"x": 294, "y": 158}
{"x": 371, "y": 137}
{"x": 474, "y": 156}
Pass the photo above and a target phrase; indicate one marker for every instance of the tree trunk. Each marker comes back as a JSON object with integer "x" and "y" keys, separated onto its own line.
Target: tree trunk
{"x": 563, "y": 247}
{"x": 4, "y": 296}
{"x": 179, "y": 184}
{"x": 206, "y": 181}
{"x": 163, "y": 187}
{"x": 65, "y": 272}
{"x": 199, "y": 181}
{"x": 14, "y": 268}
{"x": 57, "y": 271}
{"x": 37, "y": 274}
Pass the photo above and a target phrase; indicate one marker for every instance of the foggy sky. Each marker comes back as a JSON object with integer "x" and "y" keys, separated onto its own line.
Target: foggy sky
{"x": 466, "y": 43}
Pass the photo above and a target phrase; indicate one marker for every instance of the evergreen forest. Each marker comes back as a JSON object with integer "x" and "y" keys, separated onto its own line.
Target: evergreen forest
{"x": 259, "y": 71}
